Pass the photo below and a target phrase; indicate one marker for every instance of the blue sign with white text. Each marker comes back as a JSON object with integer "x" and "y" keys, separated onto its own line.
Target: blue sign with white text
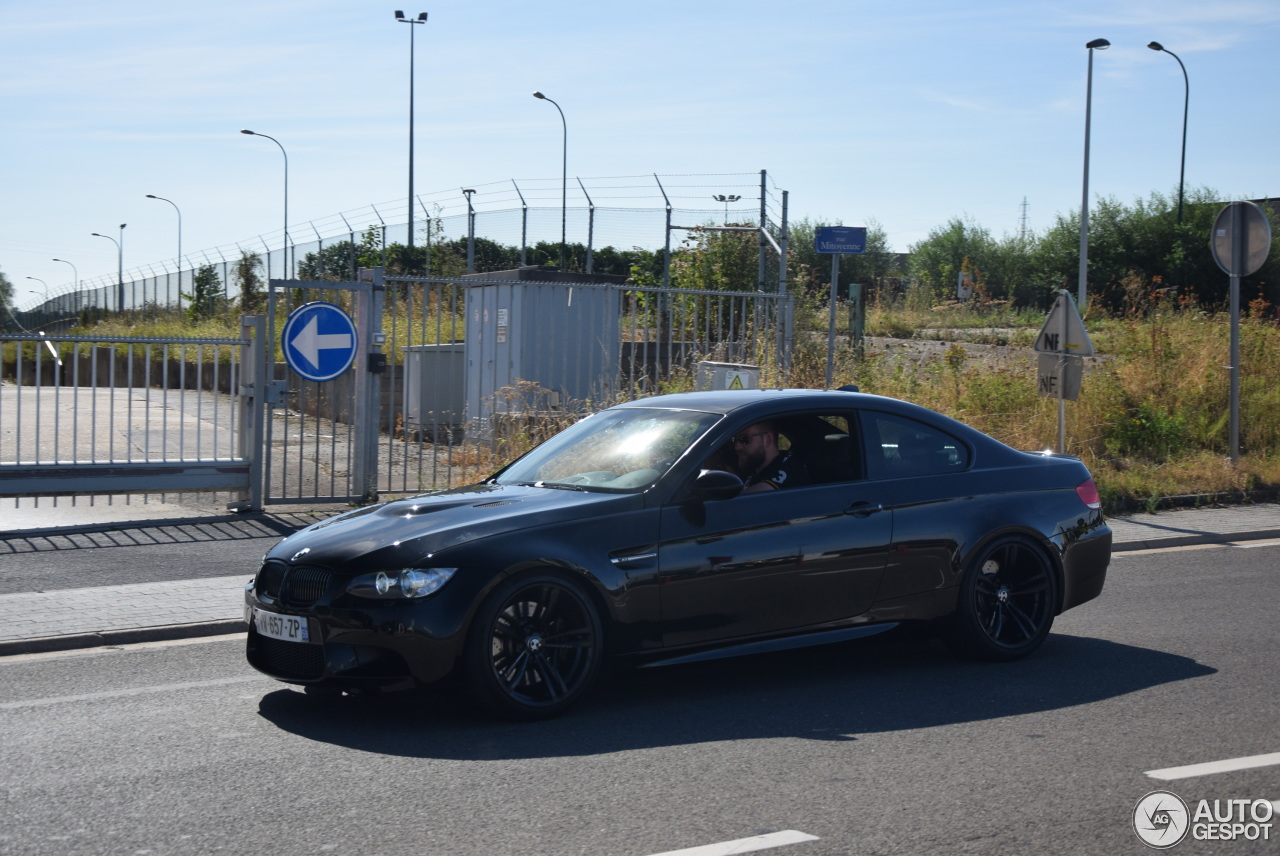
{"x": 845, "y": 240}
{"x": 319, "y": 341}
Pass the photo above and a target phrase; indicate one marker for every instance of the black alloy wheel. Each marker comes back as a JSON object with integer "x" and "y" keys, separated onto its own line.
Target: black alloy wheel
{"x": 534, "y": 647}
{"x": 1007, "y": 601}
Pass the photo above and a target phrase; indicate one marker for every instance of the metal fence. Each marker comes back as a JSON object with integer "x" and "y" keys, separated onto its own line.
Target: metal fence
{"x": 83, "y": 415}
{"x": 455, "y": 377}
{"x": 620, "y": 212}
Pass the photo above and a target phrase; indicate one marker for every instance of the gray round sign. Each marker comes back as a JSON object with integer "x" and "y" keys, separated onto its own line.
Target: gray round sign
{"x": 1241, "y": 238}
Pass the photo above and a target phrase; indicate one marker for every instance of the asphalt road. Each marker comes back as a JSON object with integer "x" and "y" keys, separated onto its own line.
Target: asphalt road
{"x": 883, "y": 746}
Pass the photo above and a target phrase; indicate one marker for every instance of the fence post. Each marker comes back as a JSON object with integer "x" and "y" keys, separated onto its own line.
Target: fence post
{"x": 369, "y": 365}
{"x": 252, "y": 394}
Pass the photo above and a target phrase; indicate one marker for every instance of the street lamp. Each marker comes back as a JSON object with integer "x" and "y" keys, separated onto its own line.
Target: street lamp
{"x": 75, "y": 278}
{"x": 179, "y": 210}
{"x": 720, "y": 197}
{"x": 1096, "y": 44}
{"x": 46, "y": 288}
{"x": 421, "y": 19}
{"x": 119, "y": 262}
{"x": 285, "y": 249}
{"x": 75, "y": 274}
{"x": 1186, "y": 102}
{"x": 564, "y": 180}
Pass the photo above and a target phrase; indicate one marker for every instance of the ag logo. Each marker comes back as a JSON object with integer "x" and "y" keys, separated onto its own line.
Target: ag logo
{"x": 1161, "y": 819}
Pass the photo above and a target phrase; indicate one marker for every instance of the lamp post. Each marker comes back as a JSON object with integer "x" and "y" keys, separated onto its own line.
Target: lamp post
{"x": 421, "y": 19}
{"x": 179, "y": 210}
{"x": 564, "y": 180}
{"x": 75, "y": 282}
{"x": 179, "y": 264}
{"x": 720, "y": 197}
{"x": 119, "y": 264}
{"x": 75, "y": 274}
{"x": 1096, "y": 44}
{"x": 285, "y": 262}
{"x": 46, "y": 288}
{"x": 1186, "y": 103}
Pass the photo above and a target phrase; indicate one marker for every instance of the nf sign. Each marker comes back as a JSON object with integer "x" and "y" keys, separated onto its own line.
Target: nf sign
{"x": 1058, "y": 376}
{"x": 319, "y": 341}
{"x": 1063, "y": 331}
{"x": 1060, "y": 344}
{"x": 842, "y": 240}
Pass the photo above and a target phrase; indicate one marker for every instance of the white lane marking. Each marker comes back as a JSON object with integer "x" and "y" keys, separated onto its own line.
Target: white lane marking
{"x": 1210, "y": 768}
{"x": 132, "y": 691}
{"x": 745, "y": 845}
{"x": 1252, "y": 544}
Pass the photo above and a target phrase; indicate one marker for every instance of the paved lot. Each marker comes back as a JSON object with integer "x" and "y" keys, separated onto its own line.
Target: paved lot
{"x": 91, "y": 616}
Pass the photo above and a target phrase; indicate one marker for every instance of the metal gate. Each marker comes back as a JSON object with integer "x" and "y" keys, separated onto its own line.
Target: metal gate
{"x": 83, "y": 415}
{"x": 452, "y": 378}
{"x": 321, "y": 439}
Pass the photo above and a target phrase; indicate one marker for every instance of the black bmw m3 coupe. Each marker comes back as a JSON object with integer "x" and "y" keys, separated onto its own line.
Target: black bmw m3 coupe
{"x": 633, "y": 535}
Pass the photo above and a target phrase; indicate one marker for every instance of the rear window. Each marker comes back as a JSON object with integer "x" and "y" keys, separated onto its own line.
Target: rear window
{"x": 898, "y": 447}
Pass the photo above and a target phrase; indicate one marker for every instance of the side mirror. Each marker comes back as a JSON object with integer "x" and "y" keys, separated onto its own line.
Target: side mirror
{"x": 716, "y": 484}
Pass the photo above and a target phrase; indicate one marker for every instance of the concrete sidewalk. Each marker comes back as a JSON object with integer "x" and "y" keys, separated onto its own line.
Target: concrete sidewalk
{"x": 115, "y": 615}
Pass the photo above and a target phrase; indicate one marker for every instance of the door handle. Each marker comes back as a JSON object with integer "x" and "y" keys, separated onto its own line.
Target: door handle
{"x": 864, "y": 509}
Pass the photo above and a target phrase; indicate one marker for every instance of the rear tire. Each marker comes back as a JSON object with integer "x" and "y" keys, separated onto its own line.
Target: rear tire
{"x": 534, "y": 647}
{"x": 1007, "y": 602}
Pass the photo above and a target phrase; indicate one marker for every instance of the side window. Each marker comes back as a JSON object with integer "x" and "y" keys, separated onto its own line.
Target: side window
{"x": 825, "y": 444}
{"x": 899, "y": 447}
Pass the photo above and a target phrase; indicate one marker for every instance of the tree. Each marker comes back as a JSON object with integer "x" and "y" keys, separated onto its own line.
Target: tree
{"x": 937, "y": 261}
{"x": 717, "y": 261}
{"x": 1145, "y": 240}
{"x": 6, "y": 291}
{"x": 249, "y": 282}
{"x": 206, "y": 299}
{"x": 334, "y": 263}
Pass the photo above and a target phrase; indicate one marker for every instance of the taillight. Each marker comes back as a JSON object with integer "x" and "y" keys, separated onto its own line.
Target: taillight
{"x": 1088, "y": 493}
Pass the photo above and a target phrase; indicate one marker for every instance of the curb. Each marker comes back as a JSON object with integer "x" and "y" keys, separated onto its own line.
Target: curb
{"x": 1193, "y": 540}
{"x": 164, "y": 633}
{"x": 271, "y": 520}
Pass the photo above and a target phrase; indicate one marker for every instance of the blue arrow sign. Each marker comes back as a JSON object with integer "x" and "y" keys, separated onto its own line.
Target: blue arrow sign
{"x": 845, "y": 240}
{"x": 319, "y": 341}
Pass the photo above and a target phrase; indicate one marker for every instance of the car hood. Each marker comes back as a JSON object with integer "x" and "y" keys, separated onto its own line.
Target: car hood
{"x": 406, "y": 530}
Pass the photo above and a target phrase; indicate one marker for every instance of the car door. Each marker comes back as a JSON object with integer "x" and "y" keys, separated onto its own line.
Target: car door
{"x": 775, "y": 561}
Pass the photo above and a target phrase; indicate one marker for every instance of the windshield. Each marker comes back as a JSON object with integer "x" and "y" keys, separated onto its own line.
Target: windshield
{"x": 625, "y": 449}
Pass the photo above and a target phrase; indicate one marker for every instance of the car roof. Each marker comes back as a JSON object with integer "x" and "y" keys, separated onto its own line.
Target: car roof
{"x": 731, "y": 400}
{"x": 762, "y": 403}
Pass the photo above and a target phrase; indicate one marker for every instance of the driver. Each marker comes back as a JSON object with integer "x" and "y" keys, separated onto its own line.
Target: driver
{"x": 763, "y": 465}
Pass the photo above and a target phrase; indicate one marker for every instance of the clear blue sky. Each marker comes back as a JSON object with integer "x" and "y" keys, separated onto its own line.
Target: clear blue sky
{"x": 909, "y": 113}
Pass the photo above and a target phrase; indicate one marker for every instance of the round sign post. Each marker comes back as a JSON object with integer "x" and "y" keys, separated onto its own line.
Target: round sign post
{"x": 1241, "y": 242}
{"x": 319, "y": 341}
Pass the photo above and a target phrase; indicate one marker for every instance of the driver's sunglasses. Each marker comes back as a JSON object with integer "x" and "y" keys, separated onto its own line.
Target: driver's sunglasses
{"x": 745, "y": 439}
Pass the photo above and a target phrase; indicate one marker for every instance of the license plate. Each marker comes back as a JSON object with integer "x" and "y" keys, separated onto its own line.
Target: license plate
{"x": 290, "y": 628}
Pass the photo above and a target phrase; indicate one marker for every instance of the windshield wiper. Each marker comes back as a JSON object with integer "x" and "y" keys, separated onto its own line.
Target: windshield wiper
{"x": 561, "y": 486}
{"x": 556, "y": 485}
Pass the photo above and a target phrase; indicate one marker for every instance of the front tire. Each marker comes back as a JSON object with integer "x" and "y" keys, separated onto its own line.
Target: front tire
{"x": 534, "y": 647}
{"x": 1007, "y": 602}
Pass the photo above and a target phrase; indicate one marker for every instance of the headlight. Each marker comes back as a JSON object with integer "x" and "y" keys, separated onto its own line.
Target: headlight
{"x": 409, "y": 583}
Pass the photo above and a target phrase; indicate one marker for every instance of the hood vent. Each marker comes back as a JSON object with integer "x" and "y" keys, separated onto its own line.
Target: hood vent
{"x": 496, "y": 504}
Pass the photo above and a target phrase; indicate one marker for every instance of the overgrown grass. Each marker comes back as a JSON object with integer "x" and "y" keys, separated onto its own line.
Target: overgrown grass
{"x": 1152, "y": 420}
